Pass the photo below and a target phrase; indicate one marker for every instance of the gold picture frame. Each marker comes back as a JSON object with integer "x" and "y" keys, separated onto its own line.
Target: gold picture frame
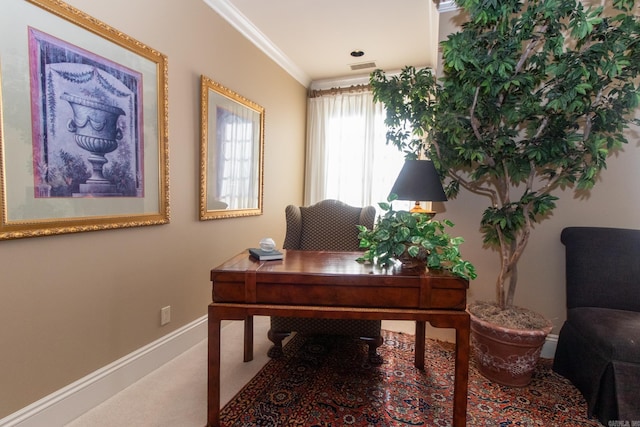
{"x": 231, "y": 153}
{"x": 83, "y": 124}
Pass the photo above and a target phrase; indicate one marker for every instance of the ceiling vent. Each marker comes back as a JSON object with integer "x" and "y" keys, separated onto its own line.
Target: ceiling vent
{"x": 363, "y": 65}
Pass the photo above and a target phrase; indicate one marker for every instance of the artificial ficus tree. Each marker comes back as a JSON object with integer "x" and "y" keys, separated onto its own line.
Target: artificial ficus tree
{"x": 534, "y": 96}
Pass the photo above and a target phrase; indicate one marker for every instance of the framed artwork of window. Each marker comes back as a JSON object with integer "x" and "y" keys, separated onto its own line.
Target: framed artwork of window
{"x": 83, "y": 124}
{"x": 231, "y": 153}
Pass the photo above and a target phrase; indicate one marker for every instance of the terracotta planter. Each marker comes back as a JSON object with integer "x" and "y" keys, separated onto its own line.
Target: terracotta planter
{"x": 506, "y": 356}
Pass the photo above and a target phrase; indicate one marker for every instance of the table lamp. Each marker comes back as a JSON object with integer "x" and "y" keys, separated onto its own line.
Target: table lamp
{"x": 419, "y": 181}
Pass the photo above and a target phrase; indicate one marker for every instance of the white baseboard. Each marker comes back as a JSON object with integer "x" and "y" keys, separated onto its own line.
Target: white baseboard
{"x": 68, "y": 403}
{"x": 549, "y": 347}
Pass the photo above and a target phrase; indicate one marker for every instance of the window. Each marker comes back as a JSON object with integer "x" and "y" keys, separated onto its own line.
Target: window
{"x": 348, "y": 158}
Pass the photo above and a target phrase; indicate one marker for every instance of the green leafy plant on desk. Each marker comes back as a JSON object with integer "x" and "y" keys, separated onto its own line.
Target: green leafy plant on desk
{"x": 413, "y": 239}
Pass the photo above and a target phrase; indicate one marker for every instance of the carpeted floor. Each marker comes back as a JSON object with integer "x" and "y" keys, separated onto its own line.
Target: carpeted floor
{"x": 326, "y": 381}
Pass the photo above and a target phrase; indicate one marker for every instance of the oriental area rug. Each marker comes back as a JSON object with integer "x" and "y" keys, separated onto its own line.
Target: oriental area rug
{"x": 326, "y": 381}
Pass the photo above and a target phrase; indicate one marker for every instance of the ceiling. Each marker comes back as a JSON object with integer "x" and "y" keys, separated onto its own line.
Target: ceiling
{"x": 313, "y": 39}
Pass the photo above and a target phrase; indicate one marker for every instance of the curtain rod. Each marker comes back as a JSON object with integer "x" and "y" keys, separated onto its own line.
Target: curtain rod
{"x": 338, "y": 90}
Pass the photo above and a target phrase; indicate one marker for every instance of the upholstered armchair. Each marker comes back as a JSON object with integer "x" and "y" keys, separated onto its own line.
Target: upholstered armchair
{"x": 599, "y": 344}
{"x": 329, "y": 225}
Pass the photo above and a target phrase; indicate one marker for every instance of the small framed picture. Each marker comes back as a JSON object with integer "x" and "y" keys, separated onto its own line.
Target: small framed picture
{"x": 231, "y": 153}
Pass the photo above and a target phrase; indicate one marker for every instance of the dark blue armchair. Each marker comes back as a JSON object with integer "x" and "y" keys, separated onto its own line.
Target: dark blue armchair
{"x": 599, "y": 344}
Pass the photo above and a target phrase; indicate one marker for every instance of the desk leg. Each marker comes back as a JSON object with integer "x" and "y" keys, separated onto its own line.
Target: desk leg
{"x": 421, "y": 331}
{"x": 213, "y": 371}
{"x": 461, "y": 374}
{"x": 248, "y": 339}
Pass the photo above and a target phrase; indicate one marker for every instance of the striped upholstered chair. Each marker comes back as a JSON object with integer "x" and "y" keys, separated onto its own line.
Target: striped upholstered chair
{"x": 329, "y": 225}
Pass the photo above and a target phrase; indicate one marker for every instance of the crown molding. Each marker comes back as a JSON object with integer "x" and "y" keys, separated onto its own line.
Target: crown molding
{"x": 240, "y": 22}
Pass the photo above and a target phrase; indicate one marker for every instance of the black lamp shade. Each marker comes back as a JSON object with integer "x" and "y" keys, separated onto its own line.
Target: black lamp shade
{"x": 419, "y": 181}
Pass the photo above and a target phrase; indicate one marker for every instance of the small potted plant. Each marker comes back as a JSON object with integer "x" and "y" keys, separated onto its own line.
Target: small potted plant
{"x": 413, "y": 239}
{"x": 534, "y": 96}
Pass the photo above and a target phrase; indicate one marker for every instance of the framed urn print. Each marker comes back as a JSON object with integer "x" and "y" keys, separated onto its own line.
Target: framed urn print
{"x": 83, "y": 125}
{"x": 231, "y": 153}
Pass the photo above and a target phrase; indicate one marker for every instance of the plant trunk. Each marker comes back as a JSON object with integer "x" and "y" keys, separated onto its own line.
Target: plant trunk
{"x": 511, "y": 290}
{"x": 510, "y": 255}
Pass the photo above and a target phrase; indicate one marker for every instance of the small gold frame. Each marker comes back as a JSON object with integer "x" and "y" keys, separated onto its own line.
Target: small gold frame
{"x": 232, "y": 139}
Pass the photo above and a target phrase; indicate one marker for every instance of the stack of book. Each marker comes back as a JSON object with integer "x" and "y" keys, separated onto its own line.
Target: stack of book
{"x": 263, "y": 255}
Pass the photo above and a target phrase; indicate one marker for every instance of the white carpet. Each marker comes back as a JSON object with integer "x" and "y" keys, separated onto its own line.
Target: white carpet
{"x": 175, "y": 395}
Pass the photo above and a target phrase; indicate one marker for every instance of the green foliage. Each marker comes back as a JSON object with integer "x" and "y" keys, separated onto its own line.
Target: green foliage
{"x": 119, "y": 174}
{"x": 399, "y": 234}
{"x": 535, "y": 95}
{"x": 410, "y": 98}
{"x": 66, "y": 172}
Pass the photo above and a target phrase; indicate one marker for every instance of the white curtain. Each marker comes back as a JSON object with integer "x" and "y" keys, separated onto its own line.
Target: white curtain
{"x": 347, "y": 155}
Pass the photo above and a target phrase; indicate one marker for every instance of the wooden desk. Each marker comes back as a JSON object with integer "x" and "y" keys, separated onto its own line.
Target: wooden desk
{"x": 333, "y": 285}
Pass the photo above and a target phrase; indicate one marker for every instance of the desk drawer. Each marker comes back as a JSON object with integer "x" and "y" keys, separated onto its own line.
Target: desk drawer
{"x": 225, "y": 290}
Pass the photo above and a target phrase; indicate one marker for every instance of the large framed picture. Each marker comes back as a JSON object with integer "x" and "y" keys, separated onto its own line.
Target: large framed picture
{"x": 231, "y": 153}
{"x": 83, "y": 124}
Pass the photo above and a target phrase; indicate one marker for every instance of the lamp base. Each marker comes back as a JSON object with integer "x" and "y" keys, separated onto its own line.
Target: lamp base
{"x": 417, "y": 208}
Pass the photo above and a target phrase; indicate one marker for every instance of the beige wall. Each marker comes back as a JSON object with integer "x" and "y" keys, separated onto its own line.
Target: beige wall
{"x": 64, "y": 315}
{"x": 71, "y": 304}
